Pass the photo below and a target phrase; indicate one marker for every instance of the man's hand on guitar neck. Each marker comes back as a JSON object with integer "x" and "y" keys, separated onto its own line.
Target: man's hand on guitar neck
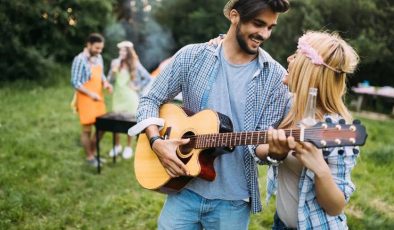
{"x": 277, "y": 147}
{"x": 279, "y": 144}
{"x": 166, "y": 152}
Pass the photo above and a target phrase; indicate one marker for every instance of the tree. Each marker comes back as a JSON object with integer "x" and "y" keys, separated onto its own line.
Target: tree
{"x": 38, "y": 36}
{"x": 361, "y": 22}
{"x": 192, "y": 21}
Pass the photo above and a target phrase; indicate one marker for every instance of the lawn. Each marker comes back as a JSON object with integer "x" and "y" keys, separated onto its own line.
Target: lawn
{"x": 45, "y": 183}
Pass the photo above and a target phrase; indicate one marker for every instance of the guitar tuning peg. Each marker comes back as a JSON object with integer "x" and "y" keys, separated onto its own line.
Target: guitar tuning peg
{"x": 356, "y": 122}
{"x": 326, "y": 152}
{"x": 341, "y": 152}
{"x": 342, "y": 121}
{"x": 356, "y": 151}
{"x": 328, "y": 120}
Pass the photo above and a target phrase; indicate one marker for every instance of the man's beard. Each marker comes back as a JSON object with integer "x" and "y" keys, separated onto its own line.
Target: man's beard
{"x": 92, "y": 53}
{"x": 242, "y": 43}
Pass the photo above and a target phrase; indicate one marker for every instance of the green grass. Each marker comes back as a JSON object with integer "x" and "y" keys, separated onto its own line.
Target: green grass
{"x": 45, "y": 184}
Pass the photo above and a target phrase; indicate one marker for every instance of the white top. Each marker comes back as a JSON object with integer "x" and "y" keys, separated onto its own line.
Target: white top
{"x": 289, "y": 173}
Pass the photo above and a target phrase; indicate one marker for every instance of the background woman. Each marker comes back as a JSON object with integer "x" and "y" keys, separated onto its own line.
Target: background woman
{"x": 130, "y": 78}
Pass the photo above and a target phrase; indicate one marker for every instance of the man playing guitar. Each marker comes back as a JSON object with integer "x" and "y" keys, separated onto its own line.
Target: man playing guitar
{"x": 238, "y": 79}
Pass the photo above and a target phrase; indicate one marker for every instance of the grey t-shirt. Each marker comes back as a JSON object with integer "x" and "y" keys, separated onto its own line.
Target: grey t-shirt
{"x": 228, "y": 96}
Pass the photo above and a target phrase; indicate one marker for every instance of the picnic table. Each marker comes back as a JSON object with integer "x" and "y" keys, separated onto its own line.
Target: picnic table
{"x": 386, "y": 93}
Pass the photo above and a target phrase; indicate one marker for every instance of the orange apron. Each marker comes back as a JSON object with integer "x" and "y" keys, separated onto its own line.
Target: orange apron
{"x": 88, "y": 109}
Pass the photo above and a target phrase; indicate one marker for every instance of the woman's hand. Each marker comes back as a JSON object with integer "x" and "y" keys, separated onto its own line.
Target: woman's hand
{"x": 311, "y": 157}
{"x": 115, "y": 67}
{"x": 108, "y": 86}
{"x": 216, "y": 41}
{"x": 328, "y": 194}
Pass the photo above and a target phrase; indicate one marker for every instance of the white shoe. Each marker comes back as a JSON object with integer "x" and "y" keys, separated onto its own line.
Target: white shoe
{"x": 118, "y": 149}
{"x": 127, "y": 153}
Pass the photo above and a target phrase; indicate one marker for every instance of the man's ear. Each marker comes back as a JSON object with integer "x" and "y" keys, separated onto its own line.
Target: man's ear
{"x": 234, "y": 16}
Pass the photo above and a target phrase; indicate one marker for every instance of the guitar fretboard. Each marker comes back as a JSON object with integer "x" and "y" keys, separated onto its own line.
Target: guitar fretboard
{"x": 239, "y": 138}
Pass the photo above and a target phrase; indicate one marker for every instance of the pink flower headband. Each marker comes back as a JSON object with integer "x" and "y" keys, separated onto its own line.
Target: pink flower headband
{"x": 312, "y": 54}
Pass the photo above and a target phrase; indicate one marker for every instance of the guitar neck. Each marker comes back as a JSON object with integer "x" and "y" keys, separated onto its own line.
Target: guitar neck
{"x": 240, "y": 138}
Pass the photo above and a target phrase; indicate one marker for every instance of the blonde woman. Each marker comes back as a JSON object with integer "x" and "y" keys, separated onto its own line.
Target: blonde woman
{"x": 313, "y": 186}
{"x": 129, "y": 77}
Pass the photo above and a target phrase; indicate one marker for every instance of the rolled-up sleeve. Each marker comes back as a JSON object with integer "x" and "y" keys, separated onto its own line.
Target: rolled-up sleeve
{"x": 77, "y": 71}
{"x": 103, "y": 77}
{"x": 341, "y": 166}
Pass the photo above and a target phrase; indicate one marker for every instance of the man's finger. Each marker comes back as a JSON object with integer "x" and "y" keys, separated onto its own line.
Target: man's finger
{"x": 175, "y": 169}
{"x": 282, "y": 137}
{"x": 182, "y": 167}
{"x": 269, "y": 136}
{"x": 171, "y": 174}
{"x": 291, "y": 142}
{"x": 177, "y": 166}
{"x": 183, "y": 141}
{"x": 275, "y": 139}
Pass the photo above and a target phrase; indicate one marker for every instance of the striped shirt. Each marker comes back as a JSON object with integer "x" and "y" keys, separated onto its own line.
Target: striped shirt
{"x": 310, "y": 214}
{"x": 193, "y": 70}
{"x": 80, "y": 69}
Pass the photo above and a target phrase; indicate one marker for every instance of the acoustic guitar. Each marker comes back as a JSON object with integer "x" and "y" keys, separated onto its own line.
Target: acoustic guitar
{"x": 207, "y": 130}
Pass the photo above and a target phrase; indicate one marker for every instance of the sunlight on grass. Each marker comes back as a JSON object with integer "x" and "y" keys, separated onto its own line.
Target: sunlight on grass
{"x": 45, "y": 183}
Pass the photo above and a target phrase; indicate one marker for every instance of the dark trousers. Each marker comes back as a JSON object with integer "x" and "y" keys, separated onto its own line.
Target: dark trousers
{"x": 278, "y": 224}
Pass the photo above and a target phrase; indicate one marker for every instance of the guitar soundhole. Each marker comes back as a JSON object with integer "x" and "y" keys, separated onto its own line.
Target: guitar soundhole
{"x": 185, "y": 150}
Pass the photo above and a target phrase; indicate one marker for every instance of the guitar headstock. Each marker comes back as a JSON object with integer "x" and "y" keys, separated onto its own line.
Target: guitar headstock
{"x": 327, "y": 134}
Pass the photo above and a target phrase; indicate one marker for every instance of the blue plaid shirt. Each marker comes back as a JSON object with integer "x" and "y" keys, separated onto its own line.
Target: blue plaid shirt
{"x": 80, "y": 69}
{"x": 193, "y": 70}
{"x": 310, "y": 214}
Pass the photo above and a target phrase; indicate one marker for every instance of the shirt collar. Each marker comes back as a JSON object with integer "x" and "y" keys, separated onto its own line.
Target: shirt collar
{"x": 262, "y": 57}
{"x": 90, "y": 59}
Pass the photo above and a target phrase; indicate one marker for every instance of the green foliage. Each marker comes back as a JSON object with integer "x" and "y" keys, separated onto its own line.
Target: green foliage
{"x": 38, "y": 35}
{"x": 45, "y": 183}
{"x": 362, "y": 22}
{"x": 192, "y": 21}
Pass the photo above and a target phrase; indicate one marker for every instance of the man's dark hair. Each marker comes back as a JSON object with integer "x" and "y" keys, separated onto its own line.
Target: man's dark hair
{"x": 249, "y": 9}
{"x": 95, "y": 37}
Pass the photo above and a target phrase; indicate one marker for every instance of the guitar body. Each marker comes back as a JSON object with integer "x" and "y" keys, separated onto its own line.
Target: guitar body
{"x": 149, "y": 171}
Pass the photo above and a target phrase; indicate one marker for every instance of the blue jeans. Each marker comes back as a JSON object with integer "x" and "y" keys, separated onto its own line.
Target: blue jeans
{"x": 188, "y": 210}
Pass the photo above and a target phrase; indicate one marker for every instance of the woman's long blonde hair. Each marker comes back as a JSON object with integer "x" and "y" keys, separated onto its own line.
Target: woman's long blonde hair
{"x": 331, "y": 85}
{"x": 130, "y": 62}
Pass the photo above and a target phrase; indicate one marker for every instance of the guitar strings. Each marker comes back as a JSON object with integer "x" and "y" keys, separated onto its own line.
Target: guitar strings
{"x": 213, "y": 140}
{"x": 332, "y": 133}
